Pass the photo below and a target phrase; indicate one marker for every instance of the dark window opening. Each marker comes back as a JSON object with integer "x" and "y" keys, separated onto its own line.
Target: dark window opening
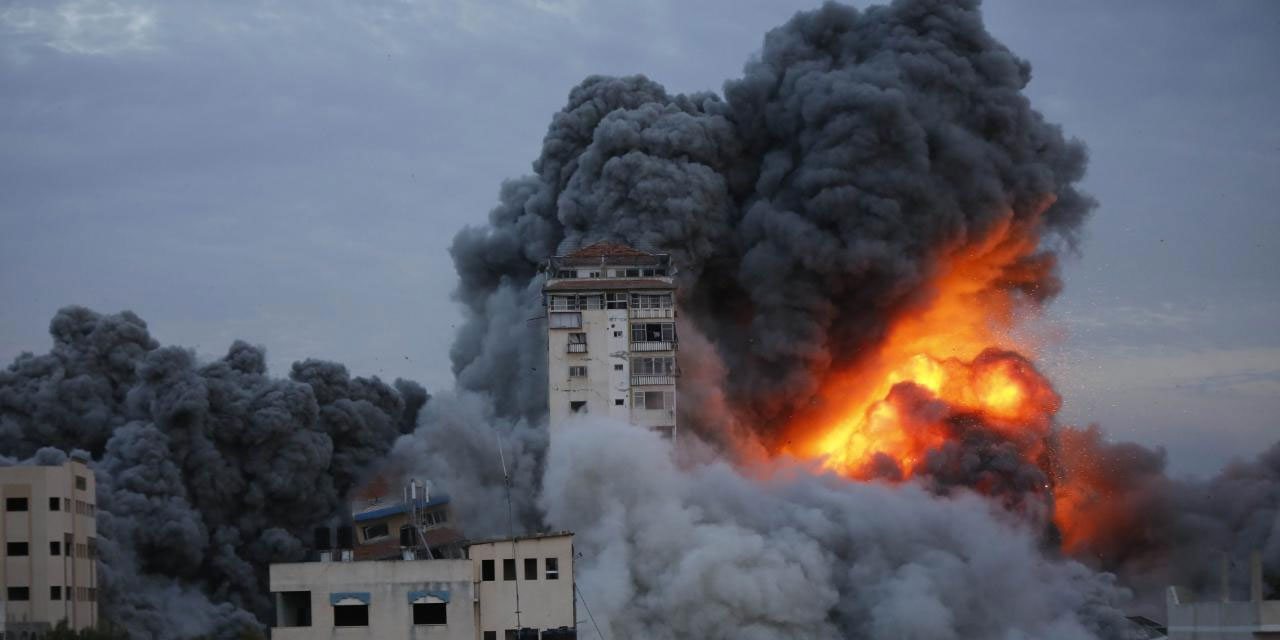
{"x": 19, "y": 594}
{"x": 486, "y": 570}
{"x": 509, "y": 569}
{"x": 619, "y": 402}
{"x": 55, "y": 504}
{"x": 16, "y": 549}
{"x": 578, "y": 406}
{"x": 81, "y": 483}
{"x": 350, "y": 615}
{"x": 491, "y": 635}
{"x": 293, "y": 609}
{"x": 55, "y": 548}
{"x": 553, "y": 569}
{"x": 15, "y": 504}
{"x": 55, "y": 593}
{"x": 530, "y": 568}
{"x": 372, "y": 531}
{"x": 430, "y": 613}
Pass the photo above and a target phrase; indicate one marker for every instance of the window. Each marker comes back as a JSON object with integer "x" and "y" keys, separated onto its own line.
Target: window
{"x": 350, "y": 615}
{"x": 19, "y": 594}
{"x": 92, "y": 548}
{"x": 293, "y": 609}
{"x": 653, "y": 332}
{"x": 55, "y": 504}
{"x": 491, "y": 635}
{"x": 566, "y": 273}
{"x": 67, "y": 544}
{"x": 617, "y": 367}
{"x": 651, "y": 300}
{"x": 509, "y": 569}
{"x": 617, "y": 334}
{"x": 55, "y": 548}
{"x": 633, "y": 273}
{"x": 510, "y": 634}
{"x": 654, "y": 400}
{"x": 55, "y": 593}
{"x": 615, "y": 301}
{"x": 553, "y": 568}
{"x": 16, "y": 549}
{"x": 486, "y": 570}
{"x": 530, "y": 568}
{"x": 81, "y": 483}
{"x": 656, "y": 366}
{"x": 569, "y": 320}
{"x": 66, "y": 593}
{"x": 577, "y": 338}
{"x": 577, "y": 372}
{"x": 373, "y": 531}
{"x": 430, "y": 613}
{"x": 66, "y": 504}
{"x": 577, "y": 406}
{"x": 15, "y": 504}
{"x": 620, "y": 402}
{"x": 593, "y": 274}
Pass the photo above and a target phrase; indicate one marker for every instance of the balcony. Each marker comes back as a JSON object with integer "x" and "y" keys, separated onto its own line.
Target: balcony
{"x": 648, "y": 314}
{"x": 653, "y": 346}
{"x": 652, "y": 380}
{"x": 580, "y": 347}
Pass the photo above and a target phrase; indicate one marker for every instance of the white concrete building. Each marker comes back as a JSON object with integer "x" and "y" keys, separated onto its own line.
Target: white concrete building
{"x": 49, "y": 572}
{"x": 450, "y": 599}
{"x": 1223, "y": 618}
{"x": 611, "y": 336}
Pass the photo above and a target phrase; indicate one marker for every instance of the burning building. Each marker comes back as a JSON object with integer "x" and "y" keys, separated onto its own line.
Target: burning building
{"x": 611, "y": 336}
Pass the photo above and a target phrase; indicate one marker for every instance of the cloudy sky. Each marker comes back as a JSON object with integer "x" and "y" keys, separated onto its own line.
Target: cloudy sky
{"x": 292, "y": 174}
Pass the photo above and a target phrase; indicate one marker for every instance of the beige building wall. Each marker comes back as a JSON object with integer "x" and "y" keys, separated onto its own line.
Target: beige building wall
{"x": 1218, "y": 620}
{"x": 544, "y": 603}
{"x": 387, "y": 586}
{"x": 59, "y": 531}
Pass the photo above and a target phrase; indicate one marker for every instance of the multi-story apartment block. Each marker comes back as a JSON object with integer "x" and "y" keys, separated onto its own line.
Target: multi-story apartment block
{"x": 611, "y": 336}
{"x": 49, "y": 572}
{"x": 507, "y": 589}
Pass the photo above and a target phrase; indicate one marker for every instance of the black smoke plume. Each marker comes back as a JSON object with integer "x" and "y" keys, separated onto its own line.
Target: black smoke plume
{"x": 207, "y": 472}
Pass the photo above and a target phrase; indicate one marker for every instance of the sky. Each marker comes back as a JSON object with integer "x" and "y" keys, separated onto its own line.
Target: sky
{"x": 292, "y": 174}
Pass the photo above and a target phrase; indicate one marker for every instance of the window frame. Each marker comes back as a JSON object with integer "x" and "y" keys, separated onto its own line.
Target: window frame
{"x": 551, "y": 568}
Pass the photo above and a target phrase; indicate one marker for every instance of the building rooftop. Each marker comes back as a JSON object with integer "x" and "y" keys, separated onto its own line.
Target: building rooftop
{"x": 608, "y": 253}
{"x": 397, "y": 508}
{"x": 531, "y": 536}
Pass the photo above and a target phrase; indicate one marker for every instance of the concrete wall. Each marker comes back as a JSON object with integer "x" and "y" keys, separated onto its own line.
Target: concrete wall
{"x": 1216, "y": 620}
{"x": 40, "y": 570}
{"x": 389, "y": 585}
{"x": 544, "y": 604}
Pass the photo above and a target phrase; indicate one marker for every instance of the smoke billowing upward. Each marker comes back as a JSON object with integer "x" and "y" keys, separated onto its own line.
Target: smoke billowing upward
{"x": 207, "y": 472}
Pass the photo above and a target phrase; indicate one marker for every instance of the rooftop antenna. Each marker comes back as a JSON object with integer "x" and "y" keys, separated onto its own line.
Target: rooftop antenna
{"x": 506, "y": 482}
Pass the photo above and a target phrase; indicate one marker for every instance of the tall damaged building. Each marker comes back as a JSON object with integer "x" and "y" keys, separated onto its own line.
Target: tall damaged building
{"x": 611, "y": 336}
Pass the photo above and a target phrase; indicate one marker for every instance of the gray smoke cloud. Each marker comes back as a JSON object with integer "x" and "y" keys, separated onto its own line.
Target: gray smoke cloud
{"x": 207, "y": 472}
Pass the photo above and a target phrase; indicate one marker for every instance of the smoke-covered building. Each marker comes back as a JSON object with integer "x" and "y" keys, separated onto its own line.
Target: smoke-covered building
{"x": 386, "y": 522}
{"x": 611, "y": 336}
{"x": 49, "y": 572}
{"x": 501, "y": 587}
{"x": 1222, "y": 618}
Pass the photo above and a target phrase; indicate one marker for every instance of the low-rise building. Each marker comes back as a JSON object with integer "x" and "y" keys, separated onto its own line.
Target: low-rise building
{"x": 497, "y": 589}
{"x": 387, "y": 521}
{"x": 1223, "y": 618}
{"x": 49, "y": 542}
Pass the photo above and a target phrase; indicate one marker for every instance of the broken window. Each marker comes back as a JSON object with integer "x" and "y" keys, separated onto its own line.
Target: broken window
{"x": 578, "y": 406}
{"x": 577, "y": 338}
{"x": 430, "y": 613}
{"x": 373, "y": 531}
{"x": 553, "y": 568}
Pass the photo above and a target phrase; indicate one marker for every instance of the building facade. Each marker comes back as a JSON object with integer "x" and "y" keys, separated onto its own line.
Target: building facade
{"x": 611, "y": 336}
{"x": 50, "y": 534}
{"x": 472, "y": 598}
{"x": 386, "y": 522}
{"x": 1223, "y": 618}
